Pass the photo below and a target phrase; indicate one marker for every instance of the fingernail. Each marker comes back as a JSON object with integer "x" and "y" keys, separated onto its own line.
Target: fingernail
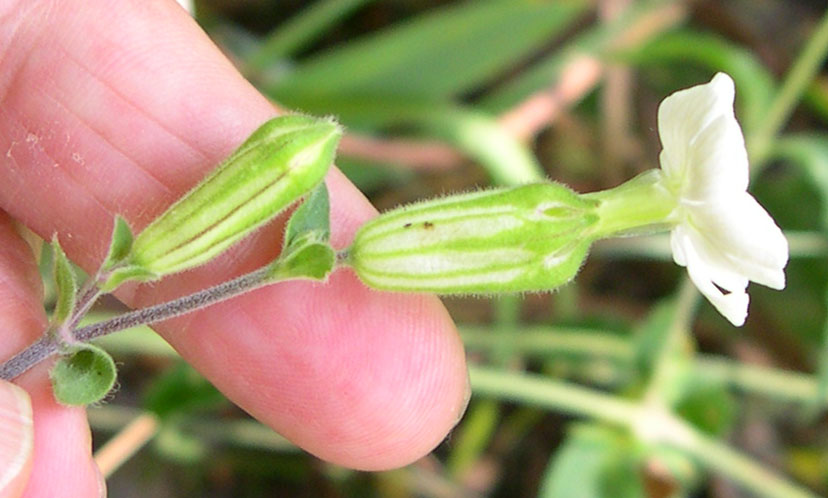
{"x": 16, "y": 437}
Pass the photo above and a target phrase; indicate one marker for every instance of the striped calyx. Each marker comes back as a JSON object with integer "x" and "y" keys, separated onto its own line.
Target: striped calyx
{"x": 281, "y": 161}
{"x": 527, "y": 238}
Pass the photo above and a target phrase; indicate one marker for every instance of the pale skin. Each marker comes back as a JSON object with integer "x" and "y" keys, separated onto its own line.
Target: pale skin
{"x": 120, "y": 107}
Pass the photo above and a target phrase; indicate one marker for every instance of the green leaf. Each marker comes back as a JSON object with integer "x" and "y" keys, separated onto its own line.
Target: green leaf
{"x": 120, "y": 245}
{"x": 596, "y": 42}
{"x": 82, "y": 376}
{"x": 574, "y": 470}
{"x": 310, "y": 219}
{"x": 708, "y": 406}
{"x": 65, "y": 284}
{"x": 621, "y": 476}
{"x": 593, "y": 462}
{"x": 126, "y": 273}
{"x": 313, "y": 260}
{"x": 443, "y": 53}
{"x": 306, "y": 252}
{"x": 300, "y": 30}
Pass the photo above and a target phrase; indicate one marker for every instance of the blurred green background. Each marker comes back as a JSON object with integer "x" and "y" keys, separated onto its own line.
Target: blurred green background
{"x": 448, "y": 96}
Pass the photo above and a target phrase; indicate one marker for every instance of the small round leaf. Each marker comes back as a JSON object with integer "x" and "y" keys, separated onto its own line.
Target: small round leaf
{"x": 83, "y": 376}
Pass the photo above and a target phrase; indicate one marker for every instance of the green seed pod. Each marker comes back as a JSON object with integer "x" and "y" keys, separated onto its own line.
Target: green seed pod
{"x": 527, "y": 238}
{"x": 281, "y": 161}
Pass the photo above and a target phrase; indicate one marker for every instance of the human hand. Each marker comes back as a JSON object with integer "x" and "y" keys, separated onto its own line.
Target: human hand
{"x": 120, "y": 110}
{"x": 15, "y": 438}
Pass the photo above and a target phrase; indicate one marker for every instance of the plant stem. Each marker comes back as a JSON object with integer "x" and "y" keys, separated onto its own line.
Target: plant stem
{"x": 551, "y": 394}
{"x": 559, "y": 396}
{"x": 177, "y": 307}
{"x": 718, "y": 457}
{"x": 88, "y": 296}
{"x": 47, "y": 346}
{"x": 796, "y": 82}
{"x": 668, "y": 364}
{"x": 801, "y": 244}
{"x": 543, "y": 341}
{"x": 547, "y": 340}
{"x": 641, "y": 204}
{"x": 774, "y": 383}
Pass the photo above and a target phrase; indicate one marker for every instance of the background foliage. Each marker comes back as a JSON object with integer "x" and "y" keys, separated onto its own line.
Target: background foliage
{"x": 445, "y": 96}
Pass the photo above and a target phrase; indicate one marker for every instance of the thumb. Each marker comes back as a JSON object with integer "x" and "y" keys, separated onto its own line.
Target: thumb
{"x": 16, "y": 439}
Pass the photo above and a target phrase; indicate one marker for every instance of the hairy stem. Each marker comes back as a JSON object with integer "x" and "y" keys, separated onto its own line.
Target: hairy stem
{"x": 177, "y": 307}
{"x": 88, "y": 296}
{"x": 45, "y": 347}
{"x": 48, "y": 346}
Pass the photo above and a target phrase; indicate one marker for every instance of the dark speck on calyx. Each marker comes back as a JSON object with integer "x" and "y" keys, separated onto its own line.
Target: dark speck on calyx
{"x": 407, "y": 225}
{"x": 428, "y": 225}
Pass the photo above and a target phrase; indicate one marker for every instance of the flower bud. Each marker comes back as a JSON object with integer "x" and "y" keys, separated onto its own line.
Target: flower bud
{"x": 527, "y": 238}
{"x": 281, "y": 161}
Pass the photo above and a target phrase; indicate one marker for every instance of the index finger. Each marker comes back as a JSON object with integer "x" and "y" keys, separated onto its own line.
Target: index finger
{"x": 121, "y": 110}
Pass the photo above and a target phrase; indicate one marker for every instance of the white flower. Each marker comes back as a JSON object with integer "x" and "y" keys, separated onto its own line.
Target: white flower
{"x": 722, "y": 235}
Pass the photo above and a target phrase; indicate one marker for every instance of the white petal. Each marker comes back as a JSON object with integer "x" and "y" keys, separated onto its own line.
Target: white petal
{"x": 684, "y": 114}
{"x": 718, "y": 267}
{"x": 677, "y": 238}
{"x": 719, "y": 161}
{"x": 745, "y": 234}
{"x": 732, "y": 306}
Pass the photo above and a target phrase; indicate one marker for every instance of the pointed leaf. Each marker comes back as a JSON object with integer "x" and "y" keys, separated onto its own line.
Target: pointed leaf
{"x": 65, "y": 283}
{"x": 313, "y": 260}
{"x": 83, "y": 376}
{"x": 126, "y": 273}
{"x": 441, "y": 54}
{"x": 633, "y": 27}
{"x": 120, "y": 245}
{"x": 311, "y": 217}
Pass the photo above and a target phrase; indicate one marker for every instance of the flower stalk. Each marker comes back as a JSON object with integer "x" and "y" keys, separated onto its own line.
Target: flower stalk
{"x": 640, "y": 206}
